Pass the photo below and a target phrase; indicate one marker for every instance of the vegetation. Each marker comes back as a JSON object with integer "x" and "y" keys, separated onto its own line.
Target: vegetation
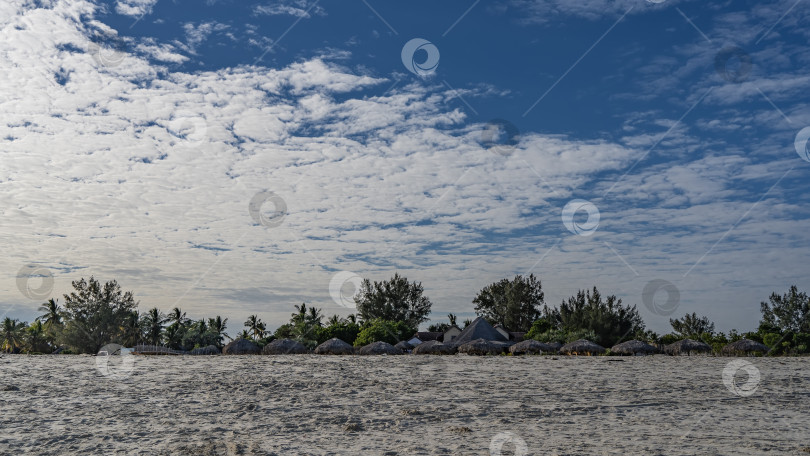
{"x": 692, "y": 327}
{"x": 514, "y": 303}
{"x": 393, "y": 300}
{"x": 384, "y": 330}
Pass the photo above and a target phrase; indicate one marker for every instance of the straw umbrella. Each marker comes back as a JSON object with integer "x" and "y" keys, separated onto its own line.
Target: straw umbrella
{"x": 379, "y": 348}
{"x": 208, "y": 350}
{"x": 433, "y": 347}
{"x": 582, "y": 347}
{"x": 241, "y": 347}
{"x": 744, "y": 346}
{"x": 531, "y": 347}
{"x": 481, "y": 347}
{"x": 284, "y": 347}
{"x": 687, "y": 347}
{"x": 404, "y": 346}
{"x": 334, "y": 346}
{"x": 633, "y": 348}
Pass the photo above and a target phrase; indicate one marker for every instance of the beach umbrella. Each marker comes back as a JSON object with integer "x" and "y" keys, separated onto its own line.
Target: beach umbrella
{"x": 744, "y": 346}
{"x": 482, "y": 347}
{"x": 404, "y": 346}
{"x": 433, "y": 347}
{"x": 208, "y": 350}
{"x": 334, "y": 346}
{"x": 284, "y": 347}
{"x": 241, "y": 347}
{"x": 633, "y": 348}
{"x": 687, "y": 347}
{"x": 582, "y": 347}
{"x": 154, "y": 350}
{"x": 532, "y": 347}
{"x": 379, "y": 348}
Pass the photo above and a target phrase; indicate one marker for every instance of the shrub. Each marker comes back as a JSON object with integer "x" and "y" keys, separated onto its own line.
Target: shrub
{"x": 344, "y": 330}
{"x": 385, "y": 331}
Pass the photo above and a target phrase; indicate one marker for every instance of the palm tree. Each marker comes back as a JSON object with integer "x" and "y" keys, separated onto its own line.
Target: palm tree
{"x": 152, "y": 325}
{"x": 314, "y": 316}
{"x": 333, "y": 320}
{"x": 352, "y": 318}
{"x": 300, "y": 315}
{"x": 131, "y": 329}
{"x": 12, "y": 335}
{"x": 243, "y": 335}
{"x": 52, "y": 316}
{"x": 217, "y": 327}
{"x": 256, "y": 327}
{"x": 452, "y": 319}
{"x": 178, "y": 317}
{"x": 35, "y": 335}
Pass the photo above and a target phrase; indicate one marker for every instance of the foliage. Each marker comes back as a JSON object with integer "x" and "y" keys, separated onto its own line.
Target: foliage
{"x": 12, "y": 335}
{"x": 514, "y": 303}
{"x": 94, "y": 314}
{"x": 346, "y": 331}
{"x": 152, "y": 326}
{"x": 540, "y": 326}
{"x": 385, "y": 331}
{"x": 692, "y": 327}
{"x": 393, "y": 300}
{"x": 788, "y": 312}
{"x": 256, "y": 328}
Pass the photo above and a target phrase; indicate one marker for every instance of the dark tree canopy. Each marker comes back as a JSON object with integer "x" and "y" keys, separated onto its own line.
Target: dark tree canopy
{"x": 692, "y": 326}
{"x": 513, "y": 303}
{"x": 607, "y": 319}
{"x": 788, "y": 312}
{"x": 393, "y": 300}
{"x": 95, "y": 314}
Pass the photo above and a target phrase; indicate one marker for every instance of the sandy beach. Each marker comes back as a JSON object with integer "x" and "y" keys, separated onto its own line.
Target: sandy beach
{"x": 406, "y": 405}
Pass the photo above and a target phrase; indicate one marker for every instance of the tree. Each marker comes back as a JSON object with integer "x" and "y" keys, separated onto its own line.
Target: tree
{"x": 217, "y": 327}
{"x": 393, "y": 300}
{"x": 346, "y": 331}
{"x": 452, "y": 319}
{"x": 12, "y": 335}
{"x": 692, "y": 327}
{"x": 52, "y": 317}
{"x": 152, "y": 326}
{"x": 95, "y": 313}
{"x": 255, "y": 327}
{"x": 131, "y": 329}
{"x": 177, "y": 317}
{"x": 385, "y": 331}
{"x": 36, "y": 338}
{"x": 514, "y": 303}
{"x": 788, "y": 312}
{"x": 608, "y": 320}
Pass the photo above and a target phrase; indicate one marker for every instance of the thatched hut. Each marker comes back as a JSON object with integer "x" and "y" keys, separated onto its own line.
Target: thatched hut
{"x": 478, "y": 329}
{"x": 404, "y": 346}
{"x": 241, "y": 347}
{"x": 154, "y": 350}
{"x": 532, "y": 347}
{"x": 482, "y": 347}
{"x": 745, "y": 347}
{"x": 582, "y": 347}
{"x": 208, "y": 350}
{"x": 633, "y": 348}
{"x": 379, "y": 348}
{"x": 334, "y": 346}
{"x": 433, "y": 347}
{"x": 687, "y": 347}
{"x": 284, "y": 347}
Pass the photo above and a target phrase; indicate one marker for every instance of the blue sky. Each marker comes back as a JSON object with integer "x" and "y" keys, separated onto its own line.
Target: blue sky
{"x": 137, "y": 133}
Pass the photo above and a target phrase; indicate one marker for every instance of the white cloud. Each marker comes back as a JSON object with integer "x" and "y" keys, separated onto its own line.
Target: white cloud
{"x": 134, "y": 7}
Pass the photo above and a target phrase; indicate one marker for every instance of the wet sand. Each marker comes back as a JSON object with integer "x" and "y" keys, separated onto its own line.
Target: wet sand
{"x": 402, "y": 405}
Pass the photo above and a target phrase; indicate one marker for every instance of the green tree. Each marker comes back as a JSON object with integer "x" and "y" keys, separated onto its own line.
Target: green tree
{"x": 217, "y": 328}
{"x": 131, "y": 329}
{"x": 346, "y": 331}
{"x": 513, "y": 303}
{"x": 12, "y": 335}
{"x": 52, "y": 317}
{"x": 692, "y": 327}
{"x": 36, "y": 338}
{"x": 393, "y": 300}
{"x": 152, "y": 326}
{"x": 607, "y": 319}
{"x": 94, "y": 314}
{"x": 385, "y": 331}
{"x": 788, "y": 312}
{"x": 256, "y": 327}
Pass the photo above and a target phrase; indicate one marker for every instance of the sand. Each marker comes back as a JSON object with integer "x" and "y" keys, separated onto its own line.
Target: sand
{"x": 400, "y": 405}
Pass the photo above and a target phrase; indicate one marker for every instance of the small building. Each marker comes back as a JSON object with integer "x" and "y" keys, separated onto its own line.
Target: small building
{"x": 504, "y": 332}
{"x": 451, "y": 333}
{"x": 424, "y": 336}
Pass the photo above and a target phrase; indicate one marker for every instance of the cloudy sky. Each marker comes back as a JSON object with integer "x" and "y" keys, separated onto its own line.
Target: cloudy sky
{"x": 236, "y": 157}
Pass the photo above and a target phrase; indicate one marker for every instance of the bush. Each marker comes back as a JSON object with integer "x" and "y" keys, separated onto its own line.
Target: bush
{"x": 540, "y": 326}
{"x": 344, "y": 330}
{"x": 385, "y": 331}
{"x": 670, "y": 338}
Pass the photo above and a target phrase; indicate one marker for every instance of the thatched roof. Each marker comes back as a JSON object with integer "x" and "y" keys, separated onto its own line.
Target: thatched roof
{"x": 379, "y": 348}
{"x": 633, "y": 347}
{"x": 154, "y": 350}
{"x": 334, "y": 346}
{"x": 404, "y": 346}
{"x": 241, "y": 347}
{"x": 433, "y": 347}
{"x": 744, "y": 346}
{"x": 532, "y": 347}
{"x": 687, "y": 347}
{"x": 482, "y": 347}
{"x": 478, "y": 329}
{"x": 208, "y": 350}
{"x": 425, "y": 336}
{"x": 284, "y": 347}
{"x": 582, "y": 347}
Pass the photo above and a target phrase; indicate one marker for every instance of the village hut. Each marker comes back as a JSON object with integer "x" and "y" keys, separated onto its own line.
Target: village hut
{"x": 284, "y": 347}
{"x": 744, "y": 347}
{"x": 582, "y": 347}
{"x": 633, "y": 348}
{"x": 379, "y": 348}
{"x": 433, "y": 347}
{"x": 404, "y": 346}
{"x": 478, "y": 329}
{"x": 532, "y": 347}
{"x": 482, "y": 347}
{"x": 687, "y": 347}
{"x": 154, "y": 350}
{"x": 241, "y": 347}
{"x": 334, "y": 346}
{"x": 207, "y": 350}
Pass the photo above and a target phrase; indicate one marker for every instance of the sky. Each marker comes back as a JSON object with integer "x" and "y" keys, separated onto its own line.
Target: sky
{"x": 234, "y": 157}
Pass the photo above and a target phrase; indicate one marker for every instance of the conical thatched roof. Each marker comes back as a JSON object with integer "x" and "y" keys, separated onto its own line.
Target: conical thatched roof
{"x": 633, "y": 347}
{"x": 582, "y": 347}
{"x": 154, "y": 350}
{"x": 404, "y": 346}
{"x": 687, "y": 347}
{"x": 478, "y": 329}
{"x": 241, "y": 347}
{"x": 379, "y": 348}
{"x": 284, "y": 347}
{"x": 482, "y": 347}
{"x": 209, "y": 350}
{"x": 334, "y": 346}
{"x": 532, "y": 347}
{"x": 433, "y": 347}
{"x": 744, "y": 346}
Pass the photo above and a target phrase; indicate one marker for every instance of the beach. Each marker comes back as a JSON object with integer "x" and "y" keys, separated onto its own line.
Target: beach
{"x": 399, "y": 405}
